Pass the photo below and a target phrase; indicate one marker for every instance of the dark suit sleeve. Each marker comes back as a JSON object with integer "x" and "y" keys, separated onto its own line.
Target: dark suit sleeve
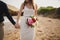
{"x": 7, "y": 13}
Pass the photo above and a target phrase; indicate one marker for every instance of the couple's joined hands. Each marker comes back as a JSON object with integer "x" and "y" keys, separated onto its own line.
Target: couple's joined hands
{"x": 17, "y": 26}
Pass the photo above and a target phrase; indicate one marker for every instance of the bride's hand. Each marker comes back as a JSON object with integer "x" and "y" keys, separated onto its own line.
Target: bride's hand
{"x": 17, "y": 26}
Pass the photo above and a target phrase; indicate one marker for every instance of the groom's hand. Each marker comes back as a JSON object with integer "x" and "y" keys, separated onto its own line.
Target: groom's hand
{"x": 17, "y": 26}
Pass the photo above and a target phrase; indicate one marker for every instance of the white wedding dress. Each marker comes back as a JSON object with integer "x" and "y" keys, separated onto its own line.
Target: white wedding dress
{"x": 26, "y": 33}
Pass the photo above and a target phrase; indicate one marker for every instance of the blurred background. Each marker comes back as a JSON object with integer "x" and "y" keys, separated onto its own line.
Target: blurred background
{"x": 45, "y": 7}
{"x": 45, "y": 3}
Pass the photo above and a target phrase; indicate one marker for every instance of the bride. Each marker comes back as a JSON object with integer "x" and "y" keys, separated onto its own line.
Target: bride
{"x": 29, "y": 9}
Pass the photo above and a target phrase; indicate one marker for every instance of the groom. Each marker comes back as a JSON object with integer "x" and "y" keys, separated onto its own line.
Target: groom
{"x": 4, "y": 10}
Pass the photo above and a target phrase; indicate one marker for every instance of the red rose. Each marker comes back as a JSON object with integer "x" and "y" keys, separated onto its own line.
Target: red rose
{"x": 34, "y": 20}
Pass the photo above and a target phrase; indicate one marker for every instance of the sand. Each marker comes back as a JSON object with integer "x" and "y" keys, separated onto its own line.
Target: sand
{"x": 47, "y": 29}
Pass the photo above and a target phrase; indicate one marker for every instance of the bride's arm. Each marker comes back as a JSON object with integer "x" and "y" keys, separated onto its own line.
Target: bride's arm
{"x": 19, "y": 13}
{"x": 36, "y": 8}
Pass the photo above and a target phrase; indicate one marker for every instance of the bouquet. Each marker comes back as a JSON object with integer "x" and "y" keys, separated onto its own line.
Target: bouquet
{"x": 31, "y": 20}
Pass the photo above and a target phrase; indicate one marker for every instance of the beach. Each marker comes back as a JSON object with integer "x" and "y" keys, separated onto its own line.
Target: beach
{"x": 47, "y": 29}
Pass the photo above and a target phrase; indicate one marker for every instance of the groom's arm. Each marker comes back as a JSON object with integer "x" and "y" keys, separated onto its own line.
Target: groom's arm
{"x": 7, "y": 13}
